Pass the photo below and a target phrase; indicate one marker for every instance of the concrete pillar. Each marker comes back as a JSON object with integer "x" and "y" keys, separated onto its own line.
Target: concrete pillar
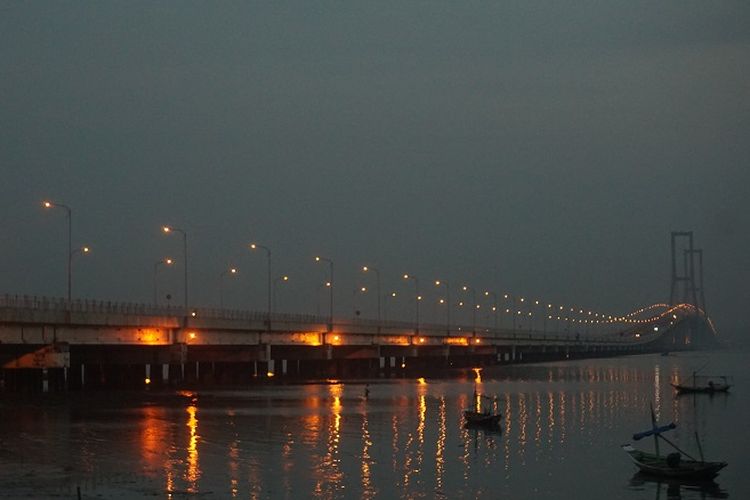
{"x": 255, "y": 369}
{"x": 513, "y": 353}
{"x": 271, "y": 365}
{"x": 283, "y": 367}
{"x": 165, "y": 373}
{"x": 148, "y": 371}
{"x": 197, "y": 371}
{"x": 83, "y": 375}
{"x": 393, "y": 361}
{"x": 382, "y": 362}
{"x": 45, "y": 380}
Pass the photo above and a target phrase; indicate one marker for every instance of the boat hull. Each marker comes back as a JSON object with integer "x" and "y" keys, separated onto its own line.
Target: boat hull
{"x": 656, "y": 465}
{"x": 474, "y": 418}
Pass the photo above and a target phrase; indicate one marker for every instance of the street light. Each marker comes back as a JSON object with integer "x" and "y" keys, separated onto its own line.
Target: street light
{"x": 361, "y": 289}
{"x": 255, "y": 246}
{"x": 166, "y": 262}
{"x": 474, "y": 306}
{"x": 391, "y": 295}
{"x": 489, "y": 293}
{"x": 279, "y": 279}
{"x": 447, "y": 304}
{"x": 168, "y": 230}
{"x": 330, "y": 301}
{"x": 228, "y": 272}
{"x": 377, "y": 285}
{"x": 417, "y": 298}
{"x": 69, "y": 212}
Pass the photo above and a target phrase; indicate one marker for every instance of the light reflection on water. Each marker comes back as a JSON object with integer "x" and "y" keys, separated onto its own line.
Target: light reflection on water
{"x": 406, "y": 438}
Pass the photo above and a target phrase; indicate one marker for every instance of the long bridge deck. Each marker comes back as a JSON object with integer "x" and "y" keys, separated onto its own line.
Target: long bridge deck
{"x": 94, "y": 343}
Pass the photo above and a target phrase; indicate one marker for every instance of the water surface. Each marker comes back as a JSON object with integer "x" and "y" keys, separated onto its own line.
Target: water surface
{"x": 562, "y": 427}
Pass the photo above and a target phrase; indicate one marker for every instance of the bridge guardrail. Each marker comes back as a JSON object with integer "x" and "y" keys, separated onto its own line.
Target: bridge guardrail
{"x": 42, "y": 303}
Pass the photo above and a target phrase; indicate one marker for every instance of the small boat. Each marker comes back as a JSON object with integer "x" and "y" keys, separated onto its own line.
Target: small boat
{"x": 678, "y": 464}
{"x": 476, "y": 417}
{"x": 482, "y": 418}
{"x": 708, "y": 384}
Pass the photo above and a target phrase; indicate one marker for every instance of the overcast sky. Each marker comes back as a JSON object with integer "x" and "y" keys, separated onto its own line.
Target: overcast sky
{"x": 545, "y": 149}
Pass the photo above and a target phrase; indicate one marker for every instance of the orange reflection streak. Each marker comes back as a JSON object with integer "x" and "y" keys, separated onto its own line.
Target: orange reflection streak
{"x": 507, "y": 433}
{"x": 368, "y": 491}
{"x": 440, "y": 446}
{"x": 331, "y": 461}
{"x": 550, "y": 417}
{"x": 234, "y": 454}
{"x": 394, "y": 442}
{"x": 561, "y": 405}
{"x": 193, "y": 472}
{"x": 478, "y": 375}
{"x": 153, "y": 436}
{"x": 420, "y": 429}
{"x": 523, "y": 417}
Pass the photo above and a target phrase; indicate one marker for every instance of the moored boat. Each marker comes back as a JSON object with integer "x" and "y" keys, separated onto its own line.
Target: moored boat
{"x": 678, "y": 464}
{"x": 482, "y": 418}
{"x": 672, "y": 465}
{"x": 704, "y": 384}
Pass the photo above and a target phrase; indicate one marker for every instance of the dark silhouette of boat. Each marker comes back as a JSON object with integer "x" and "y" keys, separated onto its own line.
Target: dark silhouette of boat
{"x": 708, "y": 384}
{"x": 475, "y": 418}
{"x": 678, "y": 464}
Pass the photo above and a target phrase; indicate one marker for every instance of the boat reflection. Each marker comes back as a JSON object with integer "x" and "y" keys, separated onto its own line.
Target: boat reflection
{"x": 676, "y": 489}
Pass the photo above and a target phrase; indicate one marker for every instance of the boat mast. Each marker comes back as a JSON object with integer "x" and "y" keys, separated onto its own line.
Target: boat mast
{"x": 654, "y": 426}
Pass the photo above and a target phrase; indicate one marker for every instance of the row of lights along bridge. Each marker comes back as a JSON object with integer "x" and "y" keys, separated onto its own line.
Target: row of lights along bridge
{"x": 518, "y": 309}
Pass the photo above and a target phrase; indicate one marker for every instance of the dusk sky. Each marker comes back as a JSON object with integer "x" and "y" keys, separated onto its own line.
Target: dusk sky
{"x": 545, "y": 149}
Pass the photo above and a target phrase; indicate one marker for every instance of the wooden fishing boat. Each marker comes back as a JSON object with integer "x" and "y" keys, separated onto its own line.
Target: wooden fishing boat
{"x": 678, "y": 464}
{"x": 707, "y": 384}
{"x": 672, "y": 465}
{"x": 478, "y": 417}
{"x": 481, "y": 418}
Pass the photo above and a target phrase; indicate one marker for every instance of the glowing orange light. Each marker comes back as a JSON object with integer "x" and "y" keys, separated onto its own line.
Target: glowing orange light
{"x": 191, "y": 335}
{"x": 147, "y": 381}
{"x": 269, "y": 374}
{"x": 47, "y": 204}
{"x": 421, "y": 380}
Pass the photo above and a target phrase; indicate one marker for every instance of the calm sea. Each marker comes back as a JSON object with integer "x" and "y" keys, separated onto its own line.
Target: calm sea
{"x": 562, "y": 427}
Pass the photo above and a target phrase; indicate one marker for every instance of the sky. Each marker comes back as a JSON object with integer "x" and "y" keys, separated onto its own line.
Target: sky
{"x": 542, "y": 149}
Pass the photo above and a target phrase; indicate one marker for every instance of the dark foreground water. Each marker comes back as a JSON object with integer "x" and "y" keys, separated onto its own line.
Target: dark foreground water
{"x": 563, "y": 424}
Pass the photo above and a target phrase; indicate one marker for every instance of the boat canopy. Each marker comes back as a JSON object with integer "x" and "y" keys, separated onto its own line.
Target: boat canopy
{"x": 654, "y": 431}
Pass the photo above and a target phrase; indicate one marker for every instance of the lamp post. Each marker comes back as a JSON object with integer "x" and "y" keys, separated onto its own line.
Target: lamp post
{"x": 166, "y": 262}
{"x": 391, "y": 295}
{"x": 69, "y": 213}
{"x": 377, "y": 285}
{"x": 168, "y": 230}
{"x": 474, "y": 306}
{"x": 279, "y": 279}
{"x": 417, "y": 298}
{"x": 228, "y": 272}
{"x": 447, "y": 305}
{"x": 78, "y": 251}
{"x": 489, "y": 293}
{"x": 255, "y": 246}
{"x": 361, "y": 289}
{"x": 330, "y": 301}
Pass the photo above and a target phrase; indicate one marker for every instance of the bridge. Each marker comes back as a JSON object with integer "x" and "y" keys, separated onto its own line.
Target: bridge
{"x": 59, "y": 344}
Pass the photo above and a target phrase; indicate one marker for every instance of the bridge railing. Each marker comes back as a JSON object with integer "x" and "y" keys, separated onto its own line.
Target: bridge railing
{"x": 42, "y": 303}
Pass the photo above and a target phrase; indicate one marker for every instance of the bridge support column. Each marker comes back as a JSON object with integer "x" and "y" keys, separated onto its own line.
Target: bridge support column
{"x": 45, "y": 380}
{"x": 165, "y": 373}
{"x": 148, "y": 373}
{"x": 513, "y": 353}
{"x": 283, "y": 367}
